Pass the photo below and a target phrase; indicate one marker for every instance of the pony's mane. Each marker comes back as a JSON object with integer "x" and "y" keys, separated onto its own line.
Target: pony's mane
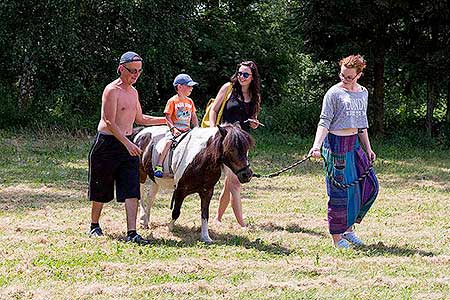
{"x": 217, "y": 145}
{"x": 236, "y": 138}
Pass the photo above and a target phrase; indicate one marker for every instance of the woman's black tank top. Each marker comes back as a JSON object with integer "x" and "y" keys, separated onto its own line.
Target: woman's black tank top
{"x": 236, "y": 110}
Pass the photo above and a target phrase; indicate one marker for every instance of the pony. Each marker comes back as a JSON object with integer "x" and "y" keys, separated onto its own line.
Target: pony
{"x": 196, "y": 164}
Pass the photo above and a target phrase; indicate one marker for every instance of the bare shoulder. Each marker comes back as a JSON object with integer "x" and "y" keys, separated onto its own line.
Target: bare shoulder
{"x": 224, "y": 89}
{"x": 112, "y": 89}
{"x": 225, "y": 86}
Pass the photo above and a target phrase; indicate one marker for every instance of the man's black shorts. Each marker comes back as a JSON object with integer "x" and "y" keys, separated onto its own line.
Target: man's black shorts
{"x": 109, "y": 162}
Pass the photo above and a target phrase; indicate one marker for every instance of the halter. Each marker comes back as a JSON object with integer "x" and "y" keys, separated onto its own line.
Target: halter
{"x": 236, "y": 172}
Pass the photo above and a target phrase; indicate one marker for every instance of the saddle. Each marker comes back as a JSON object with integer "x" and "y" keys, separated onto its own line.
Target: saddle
{"x": 169, "y": 166}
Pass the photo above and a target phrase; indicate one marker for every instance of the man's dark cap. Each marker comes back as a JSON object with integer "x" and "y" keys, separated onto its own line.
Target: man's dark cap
{"x": 129, "y": 57}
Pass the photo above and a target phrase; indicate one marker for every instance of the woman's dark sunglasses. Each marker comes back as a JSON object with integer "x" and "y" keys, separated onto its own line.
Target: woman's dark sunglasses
{"x": 133, "y": 71}
{"x": 349, "y": 78}
{"x": 244, "y": 74}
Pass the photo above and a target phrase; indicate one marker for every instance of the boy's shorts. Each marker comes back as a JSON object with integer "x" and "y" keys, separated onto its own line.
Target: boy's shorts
{"x": 109, "y": 163}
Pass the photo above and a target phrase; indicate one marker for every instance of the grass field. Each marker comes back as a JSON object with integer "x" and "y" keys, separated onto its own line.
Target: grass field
{"x": 286, "y": 252}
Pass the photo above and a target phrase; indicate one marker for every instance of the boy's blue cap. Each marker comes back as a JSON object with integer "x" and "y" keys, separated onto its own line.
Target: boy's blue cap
{"x": 129, "y": 57}
{"x": 184, "y": 79}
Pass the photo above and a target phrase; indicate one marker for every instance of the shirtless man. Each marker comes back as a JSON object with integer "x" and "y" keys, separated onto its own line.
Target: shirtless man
{"x": 113, "y": 157}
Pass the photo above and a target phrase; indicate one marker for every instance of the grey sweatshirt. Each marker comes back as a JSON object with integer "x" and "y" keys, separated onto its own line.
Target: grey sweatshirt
{"x": 344, "y": 109}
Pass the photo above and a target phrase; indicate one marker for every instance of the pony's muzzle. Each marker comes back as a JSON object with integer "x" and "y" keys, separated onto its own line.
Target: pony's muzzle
{"x": 245, "y": 175}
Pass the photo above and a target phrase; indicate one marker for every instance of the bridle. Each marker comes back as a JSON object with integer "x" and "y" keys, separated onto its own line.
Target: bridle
{"x": 236, "y": 172}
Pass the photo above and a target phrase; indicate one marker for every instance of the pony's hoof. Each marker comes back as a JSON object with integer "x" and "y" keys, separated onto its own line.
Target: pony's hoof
{"x": 207, "y": 240}
{"x": 171, "y": 226}
{"x": 144, "y": 226}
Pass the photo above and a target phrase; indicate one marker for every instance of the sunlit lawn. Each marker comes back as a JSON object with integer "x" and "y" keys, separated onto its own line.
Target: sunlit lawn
{"x": 286, "y": 253}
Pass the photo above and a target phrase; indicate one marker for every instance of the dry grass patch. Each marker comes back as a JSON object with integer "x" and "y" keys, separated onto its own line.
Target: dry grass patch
{"x": 285, "y": 253}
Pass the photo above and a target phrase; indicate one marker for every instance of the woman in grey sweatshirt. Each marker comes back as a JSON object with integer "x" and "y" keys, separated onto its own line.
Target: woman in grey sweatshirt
{"x": 342, "y": 128}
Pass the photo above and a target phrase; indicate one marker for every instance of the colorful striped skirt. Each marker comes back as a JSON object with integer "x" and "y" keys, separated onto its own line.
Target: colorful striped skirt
{"x": 346, "y": 161}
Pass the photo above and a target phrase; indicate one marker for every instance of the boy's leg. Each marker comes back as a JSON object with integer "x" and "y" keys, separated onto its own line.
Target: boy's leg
{"x": 158, "y": 171}
{"x": 164, "y": 152}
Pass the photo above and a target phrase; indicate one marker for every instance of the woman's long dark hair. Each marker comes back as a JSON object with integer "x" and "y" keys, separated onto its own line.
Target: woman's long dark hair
{"x": 255, "y": 87}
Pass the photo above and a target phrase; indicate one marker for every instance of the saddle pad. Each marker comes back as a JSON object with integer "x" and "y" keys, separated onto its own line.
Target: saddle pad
{"x": 189, "y": 148}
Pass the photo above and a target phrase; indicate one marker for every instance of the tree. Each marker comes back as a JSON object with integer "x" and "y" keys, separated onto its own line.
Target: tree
{"x": 333, "y": 29}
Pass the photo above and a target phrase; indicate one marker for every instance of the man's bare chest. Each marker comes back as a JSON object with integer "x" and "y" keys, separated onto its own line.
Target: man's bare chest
{"x": 126, "y": 104}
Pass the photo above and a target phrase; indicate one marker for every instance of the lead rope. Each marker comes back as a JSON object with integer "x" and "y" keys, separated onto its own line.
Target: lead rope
{"x": 345, "y": 185}
{"x": 329, "y": 173}
{"x": 283, "y": 170}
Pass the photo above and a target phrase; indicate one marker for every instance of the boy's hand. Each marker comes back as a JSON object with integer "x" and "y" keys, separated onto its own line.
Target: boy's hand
{"x": 175, "y": 132}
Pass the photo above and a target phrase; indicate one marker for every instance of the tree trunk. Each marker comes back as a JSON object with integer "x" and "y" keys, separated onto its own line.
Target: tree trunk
{"x": 448, "y": 105}
{"x": 26, "y": 84}
{"x": 431, "y": 104}
{"x": 378, "y": 92}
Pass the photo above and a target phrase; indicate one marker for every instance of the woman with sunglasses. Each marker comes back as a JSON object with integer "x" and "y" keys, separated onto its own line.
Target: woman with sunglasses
{"x": 342, "y": 127}
{"x": 242, "y": 106}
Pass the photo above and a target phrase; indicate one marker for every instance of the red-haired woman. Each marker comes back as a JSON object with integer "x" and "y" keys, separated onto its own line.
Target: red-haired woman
{"x": 342, "y": 128}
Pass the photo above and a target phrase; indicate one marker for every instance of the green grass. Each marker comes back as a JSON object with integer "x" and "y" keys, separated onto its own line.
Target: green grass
{"x": 286, "y": 253}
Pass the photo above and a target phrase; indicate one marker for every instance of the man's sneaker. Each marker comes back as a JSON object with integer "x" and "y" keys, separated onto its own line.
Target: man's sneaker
{"x": 352, "y": 238}
{"x": 96, "y": 232}
{"x": 158, "y": 172}
{"x": 138, "y": 239}
{"x": 342, "y": 244}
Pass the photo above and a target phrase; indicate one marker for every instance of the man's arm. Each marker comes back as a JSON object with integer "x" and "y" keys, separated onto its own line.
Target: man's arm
{"x": 109, "y": 109}
{"x": 147, "y": 120}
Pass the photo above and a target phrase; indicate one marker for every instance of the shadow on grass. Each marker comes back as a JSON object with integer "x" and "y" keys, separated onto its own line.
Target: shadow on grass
{"x": 291, "y": 228}
{"x": 381, "y": 249}
{"x": 24, "y": 198}
{"x": 190, "y": 237}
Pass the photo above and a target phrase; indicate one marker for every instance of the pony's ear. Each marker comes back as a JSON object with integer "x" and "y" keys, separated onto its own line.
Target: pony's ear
{"x": 223, "y": 131}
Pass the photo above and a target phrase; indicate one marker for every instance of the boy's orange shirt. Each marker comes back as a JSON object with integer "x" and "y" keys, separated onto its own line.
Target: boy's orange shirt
{"x": 180, "y": 111}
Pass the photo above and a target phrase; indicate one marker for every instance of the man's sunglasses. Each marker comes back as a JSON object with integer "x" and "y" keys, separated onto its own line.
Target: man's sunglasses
{"x": 133, "y": 71}
{"x": 244, "y": 74}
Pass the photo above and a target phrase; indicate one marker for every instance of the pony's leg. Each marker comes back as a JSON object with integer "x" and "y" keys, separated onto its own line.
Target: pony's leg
{"x": 177, "y": 199}
{"x": 205, "y": 201}
{"x": 146, "y": 204}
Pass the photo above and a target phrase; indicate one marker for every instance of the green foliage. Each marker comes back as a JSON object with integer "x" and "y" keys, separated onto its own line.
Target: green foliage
{"x": 57, "y": 56}
{"x": 299, "y": 110}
